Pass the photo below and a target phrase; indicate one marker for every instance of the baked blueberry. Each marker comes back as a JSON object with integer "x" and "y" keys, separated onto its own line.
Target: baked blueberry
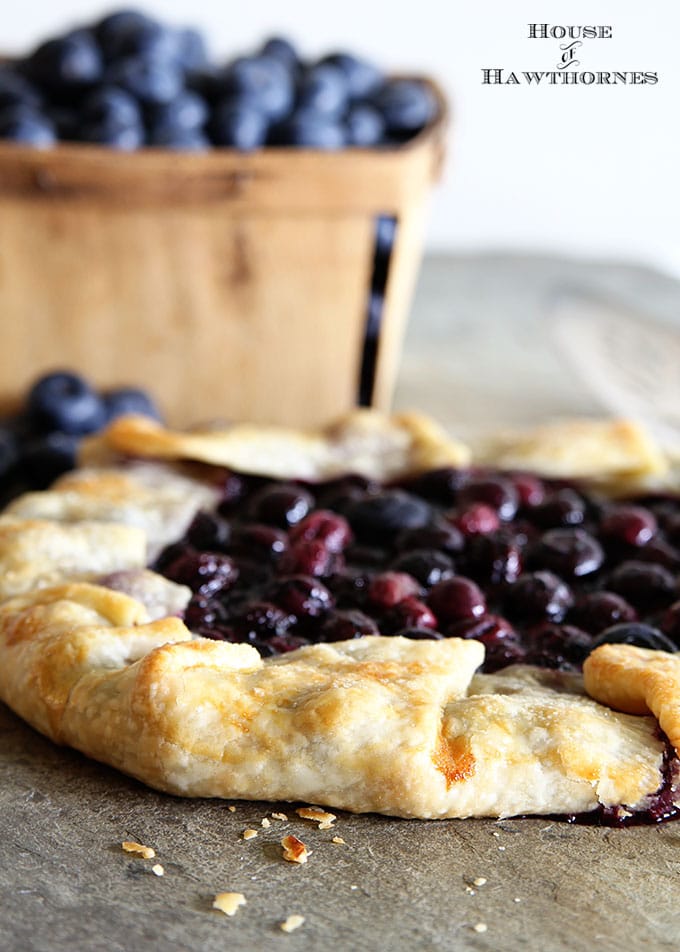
{"x": 564, "y": 507}
{"x": 64, "y": 401}
{"x": 387, "y": 589}
{"x": 281, "y": 504}
{"x": 300, "y": 595}
{"x": 536, "y": 596}
{"x": 570, "y": 553}
{"x": 323, "y": 526}
{"x": 455, "y": 599}
{"x": 635, "y": 633}
{"x": 346, "y": 625}
{"x": 427, "y": 566}
{"x": 596, "y": 611}
{"x": 497, "y": 492}
{"x": 645, "y": 585}
{"x": 381, "y": 516}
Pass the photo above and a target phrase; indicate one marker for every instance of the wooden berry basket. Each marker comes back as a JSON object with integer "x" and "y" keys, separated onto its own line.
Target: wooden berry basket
{"x": 230, "y": 284}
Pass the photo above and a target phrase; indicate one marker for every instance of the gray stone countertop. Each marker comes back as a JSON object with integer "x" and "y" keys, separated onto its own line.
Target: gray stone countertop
{"x": 478, "y": 354}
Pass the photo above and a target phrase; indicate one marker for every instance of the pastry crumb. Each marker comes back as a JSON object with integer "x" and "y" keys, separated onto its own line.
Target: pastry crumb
{"x": 231, "y": 808}
{"x": 470, "y": 891}
{"x": 229, "y": 902}
{"x": 137, "y": 849}
{"x": 292, "y": 923}
{"x": 317, "y": 815}
{"x": 249, "y": 834}
{"x": 266, "y": 823}
{"x": 280, "y": 816}
{"x": 480, "y": 927}
{"x": 501, "y": 849}
{"x": 338, "y": 839}
{"x": 158, "y": 870}
{"x": 516, "y": 899}
{"x": 294, "y": 850}
{"x": 353, "y": 887}
{"x": 480, "y": 881}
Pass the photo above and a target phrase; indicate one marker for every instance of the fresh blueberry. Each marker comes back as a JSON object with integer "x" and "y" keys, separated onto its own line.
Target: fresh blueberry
{"x": 186, "y": 112}
{"x": 64, "y": 401}
{"x": 191, "y": 49}
{"x": 309, "y": 130}
{"x": 70, "y": 60}
{"x": 45, "y": 458}
{"x": 129, "y": 400}
{"x": 9, "y": 450}
{"x": 362, "y": 77}
{"x": 150, "y": 80}
{"x": 263, "y": 80}
{"x": 380, "y": 517}
{"x": 323, "y": 89}
{"x": 110, "y": 107}
{"x": 24, "y": 125}
{"x": 114, "y": 27}
{"x": 406, "y": 105}
{"x": 635, "y": 633}
{"x": 187, "y": 140}
{"x": 16, "y": 90}
{"x": 281, "y": 48}
{"x": 239, "y": 125}
{"x": 365, "y": 126}
{"x": 125, "y": 138}
{"x": 145, "y": 38}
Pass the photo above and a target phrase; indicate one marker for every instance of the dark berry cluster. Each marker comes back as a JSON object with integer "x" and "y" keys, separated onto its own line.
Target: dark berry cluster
{"x": 537, "y": 570}
{"x": 40, "y": 442}
{"x": 130, "y": 80}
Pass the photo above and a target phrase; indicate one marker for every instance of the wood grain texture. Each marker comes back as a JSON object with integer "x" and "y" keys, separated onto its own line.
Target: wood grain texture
{"x": 233, "y": 286}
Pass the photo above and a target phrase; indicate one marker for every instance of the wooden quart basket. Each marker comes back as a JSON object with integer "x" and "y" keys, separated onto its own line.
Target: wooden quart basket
{"x": 231, "y": 285}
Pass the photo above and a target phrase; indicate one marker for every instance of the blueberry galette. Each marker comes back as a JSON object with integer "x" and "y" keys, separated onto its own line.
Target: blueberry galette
{"x": 361, "y": 617}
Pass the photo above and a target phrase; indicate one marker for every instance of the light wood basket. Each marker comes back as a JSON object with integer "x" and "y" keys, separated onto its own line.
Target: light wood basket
{"x": 233, "y": 286}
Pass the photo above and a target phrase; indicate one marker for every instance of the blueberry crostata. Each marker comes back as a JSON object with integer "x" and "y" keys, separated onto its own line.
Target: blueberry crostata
{"x": 368, "y": 617}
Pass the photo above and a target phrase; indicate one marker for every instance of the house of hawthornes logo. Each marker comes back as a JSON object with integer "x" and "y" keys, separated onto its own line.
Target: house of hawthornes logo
{"x": 572, "y": 44}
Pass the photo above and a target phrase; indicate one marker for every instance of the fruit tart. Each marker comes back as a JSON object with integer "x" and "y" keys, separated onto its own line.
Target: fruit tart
{"x": 367, "y": 617}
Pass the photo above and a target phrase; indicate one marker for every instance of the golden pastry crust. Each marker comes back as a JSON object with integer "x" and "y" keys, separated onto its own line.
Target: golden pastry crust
{"x": 374, "y": 724}
{"x": 377, "y": 724}
{"x": 364, "y": 441}
{"x": 638, "y": 681}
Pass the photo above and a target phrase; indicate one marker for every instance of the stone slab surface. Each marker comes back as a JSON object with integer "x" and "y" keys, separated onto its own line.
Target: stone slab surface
{"x": 474, "y": 357}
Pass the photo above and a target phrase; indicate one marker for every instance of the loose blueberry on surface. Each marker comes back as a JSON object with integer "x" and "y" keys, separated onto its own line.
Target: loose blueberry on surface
{"x": 645, "y": 586}
{"x": 427, "y": 566}
{"x": 455, "y": 599}
{"x": 570, "y": 553}
{"x": 64, "y": 401}
{"x": 383, "y": 515}
{"x": 635, "y": 633}
{"x": 538, "y": 595}
{"x": 44, "y": 458}
{"x": 596, "y": 611}
{"x": 124, "y": 400}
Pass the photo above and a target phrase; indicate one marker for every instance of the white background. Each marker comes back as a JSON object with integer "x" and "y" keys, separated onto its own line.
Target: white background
{"x": 582, "y": 170}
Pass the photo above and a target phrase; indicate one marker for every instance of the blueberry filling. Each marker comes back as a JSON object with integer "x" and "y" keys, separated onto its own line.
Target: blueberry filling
{"x": 535, "y": 569}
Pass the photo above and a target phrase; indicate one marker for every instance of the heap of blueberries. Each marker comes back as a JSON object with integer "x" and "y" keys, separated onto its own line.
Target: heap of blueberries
{"x": 537, "y": 570}
{"x": 129, "y": 80}
{"x": 40, "y": 442}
